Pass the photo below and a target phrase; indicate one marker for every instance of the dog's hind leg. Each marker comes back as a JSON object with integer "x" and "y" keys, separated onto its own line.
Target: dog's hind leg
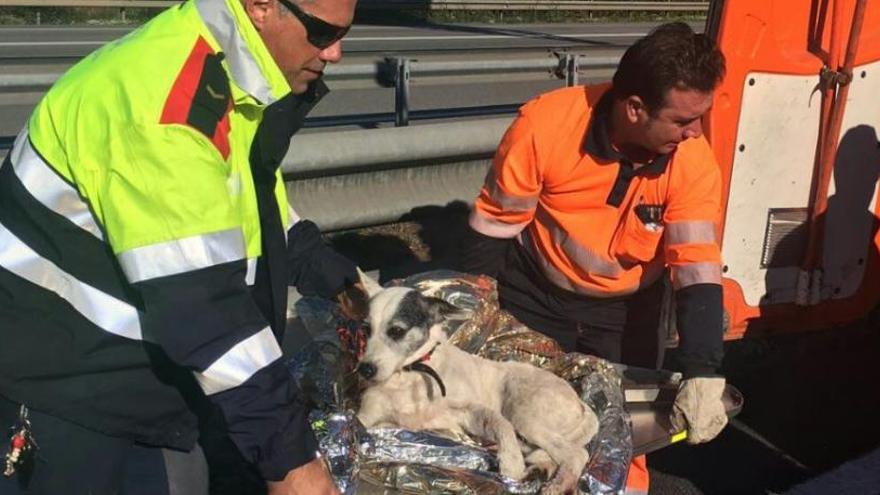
{"x": 486, "y": 423}
{"x": 570, "y": 457}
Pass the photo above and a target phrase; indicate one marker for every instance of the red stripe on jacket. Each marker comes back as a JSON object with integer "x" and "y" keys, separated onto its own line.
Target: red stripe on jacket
{"x": 180, "y": 99}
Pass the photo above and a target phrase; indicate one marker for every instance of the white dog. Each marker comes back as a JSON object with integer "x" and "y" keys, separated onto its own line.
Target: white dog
{"x": 416, "y": 380}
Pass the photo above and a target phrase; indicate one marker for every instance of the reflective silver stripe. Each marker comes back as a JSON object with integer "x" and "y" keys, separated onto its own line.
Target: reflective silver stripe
{"x": 494, "y": 228}
{"x": 47, "y": 187}
{"x": 182, "y": 255}
{"x": 251, "y": 276}
{"x": 580, "y": 255}
{"x": 292, "y": 217}
{"x": 651, "y": 273}
{"x": 690, "y": 232}
{"x": 244, "y": 68}
{"x": 240, "y": 363}
{"x": 508, "y": 202}
{"x": 695, "y": 273}
{"x": 107, "y": 312}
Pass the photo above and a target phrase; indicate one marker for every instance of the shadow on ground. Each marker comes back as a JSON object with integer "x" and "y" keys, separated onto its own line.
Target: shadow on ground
{"x": 425, "y": 239}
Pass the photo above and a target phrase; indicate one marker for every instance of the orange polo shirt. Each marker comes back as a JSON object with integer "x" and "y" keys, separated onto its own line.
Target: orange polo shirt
{"x": 595, "y": 224}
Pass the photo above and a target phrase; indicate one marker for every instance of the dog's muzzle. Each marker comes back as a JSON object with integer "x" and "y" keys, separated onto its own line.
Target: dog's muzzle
{"x": 366, "y": 370}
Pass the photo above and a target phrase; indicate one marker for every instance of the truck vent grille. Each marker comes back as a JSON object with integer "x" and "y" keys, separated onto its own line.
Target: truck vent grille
{"x": 785, "y": 239}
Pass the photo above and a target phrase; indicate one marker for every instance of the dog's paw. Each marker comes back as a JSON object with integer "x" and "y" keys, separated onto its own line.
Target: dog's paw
{"x": 541, "y": 461}
{"x": 536, "y": 473}
{"x": 564, "y": 483}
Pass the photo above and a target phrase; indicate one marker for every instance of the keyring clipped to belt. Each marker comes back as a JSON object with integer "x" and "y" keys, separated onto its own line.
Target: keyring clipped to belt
{"x": 21, "y": 444}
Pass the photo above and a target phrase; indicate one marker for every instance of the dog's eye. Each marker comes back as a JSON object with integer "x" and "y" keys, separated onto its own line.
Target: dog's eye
{"x": 396, "y": 333}
{"x": 366, "y": 328}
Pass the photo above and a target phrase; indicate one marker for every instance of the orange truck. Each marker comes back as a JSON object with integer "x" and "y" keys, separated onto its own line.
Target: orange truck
{"x": 795, "y": 129}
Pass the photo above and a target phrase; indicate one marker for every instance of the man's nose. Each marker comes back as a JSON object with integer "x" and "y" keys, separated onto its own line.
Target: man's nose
{"x": 332, "y": 53}
{"x": 366, "y": 370}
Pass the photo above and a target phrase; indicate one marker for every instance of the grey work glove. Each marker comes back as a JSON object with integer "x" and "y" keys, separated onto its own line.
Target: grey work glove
{"x": 699, "y": 409}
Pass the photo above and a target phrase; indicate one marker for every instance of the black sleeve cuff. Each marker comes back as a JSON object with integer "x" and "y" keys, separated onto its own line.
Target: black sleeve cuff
{"x": 699, "y": 313}
{"x": 268, "y": 421}
{"x": 315, "y": 268}
{"x": 197, "y": 317}
{"x": 482, "y": 254}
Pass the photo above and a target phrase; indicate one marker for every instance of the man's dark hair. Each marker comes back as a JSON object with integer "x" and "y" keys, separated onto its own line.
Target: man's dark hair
{"x": 671, "y": 56}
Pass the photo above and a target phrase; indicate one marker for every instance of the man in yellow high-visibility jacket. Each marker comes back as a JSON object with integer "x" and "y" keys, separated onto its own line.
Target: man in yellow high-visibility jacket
{"x": 146, "y": 246}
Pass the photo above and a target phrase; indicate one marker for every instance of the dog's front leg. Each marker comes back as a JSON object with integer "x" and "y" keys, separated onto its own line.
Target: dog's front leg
{"x": 486, "y": 423}
{"x": 373, "y": 409}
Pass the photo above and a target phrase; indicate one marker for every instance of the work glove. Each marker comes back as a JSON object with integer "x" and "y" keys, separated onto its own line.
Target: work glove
{"x": 315, "y": 268}
{"x": 699, "y": 409}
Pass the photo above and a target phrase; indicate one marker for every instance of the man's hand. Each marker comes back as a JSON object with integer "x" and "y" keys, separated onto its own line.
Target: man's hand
{"x": 699, "y": 409}
{"x": 308, "y": 479}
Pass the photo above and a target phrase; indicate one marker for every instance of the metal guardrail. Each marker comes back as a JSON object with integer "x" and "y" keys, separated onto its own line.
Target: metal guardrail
{"x": 505, "y": 5}
{"x": 350, "y": 179}
{"x": 320, "y": 154}
{"x": 398, "y": 72}
{"x": 384, "y": 71}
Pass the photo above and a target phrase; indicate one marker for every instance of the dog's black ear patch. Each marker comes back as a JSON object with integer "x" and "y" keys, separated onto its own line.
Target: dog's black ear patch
{"x": 439, "y": 310}
{"x": 354, "y": 303}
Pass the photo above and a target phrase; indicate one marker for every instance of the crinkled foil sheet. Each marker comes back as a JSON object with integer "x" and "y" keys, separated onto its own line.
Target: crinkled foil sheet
{"x": 433, "y": 462}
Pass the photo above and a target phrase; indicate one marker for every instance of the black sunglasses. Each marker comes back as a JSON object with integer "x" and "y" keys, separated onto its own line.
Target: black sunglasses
{"x": 318, "y": 31}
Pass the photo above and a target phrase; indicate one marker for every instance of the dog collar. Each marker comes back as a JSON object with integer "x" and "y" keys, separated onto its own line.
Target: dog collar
{"x": 420, "y": 366}
{"x": 426, "y": 357}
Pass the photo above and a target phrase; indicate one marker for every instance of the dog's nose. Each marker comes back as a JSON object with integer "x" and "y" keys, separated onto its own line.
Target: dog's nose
{"x": 366, "y": 370}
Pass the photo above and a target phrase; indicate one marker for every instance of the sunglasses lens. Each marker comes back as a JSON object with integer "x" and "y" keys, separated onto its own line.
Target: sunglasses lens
{"x": 325, "y": 35}
{"x": 319, "y": 32}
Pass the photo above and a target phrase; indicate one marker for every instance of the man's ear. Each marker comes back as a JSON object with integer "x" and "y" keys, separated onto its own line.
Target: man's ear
{"x": 257, "y": 11}
{"x": 370, "y": 286}
{"x": 634, "y": 106}
{"x": 354, "y": 303}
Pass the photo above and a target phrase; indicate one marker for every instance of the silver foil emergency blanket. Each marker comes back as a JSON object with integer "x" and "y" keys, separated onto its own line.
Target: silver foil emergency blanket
{"x": 420, "y": 462}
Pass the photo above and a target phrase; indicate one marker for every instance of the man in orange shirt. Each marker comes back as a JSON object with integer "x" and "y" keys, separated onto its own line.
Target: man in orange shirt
{"x": 595, "y": 192}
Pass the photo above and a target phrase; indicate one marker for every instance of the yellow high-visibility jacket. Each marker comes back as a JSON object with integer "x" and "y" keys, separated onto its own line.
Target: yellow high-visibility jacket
{"x": 133, "y": 240}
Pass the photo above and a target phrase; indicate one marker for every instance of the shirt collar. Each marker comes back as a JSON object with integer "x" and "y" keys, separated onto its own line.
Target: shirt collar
{"x": 597, "y": 142}
{"x": 250, "y": 64}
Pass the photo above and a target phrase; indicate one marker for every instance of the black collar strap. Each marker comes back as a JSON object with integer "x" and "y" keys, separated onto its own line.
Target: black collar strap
{"x": 420, "y": 366}
{"x": 597, "y": 142}
{"x": 424, "y": 368}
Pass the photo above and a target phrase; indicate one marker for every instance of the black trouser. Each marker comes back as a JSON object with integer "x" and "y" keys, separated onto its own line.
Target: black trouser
{"x": 72, "y": 460}
{"x": 620, "y": 329}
